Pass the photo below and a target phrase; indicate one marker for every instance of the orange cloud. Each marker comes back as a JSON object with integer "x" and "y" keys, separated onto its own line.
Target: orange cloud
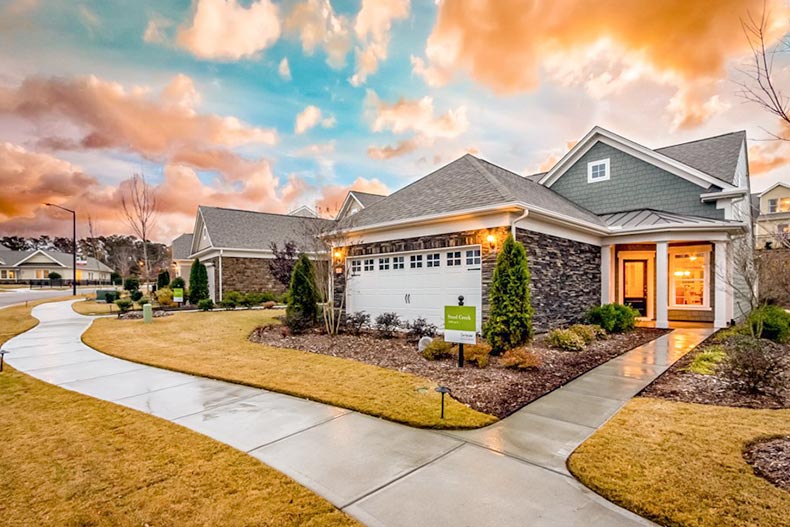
{"x": 332, "y": 196}
{"x": 225, "y": 30}
{"x": 372, "y": 27}
{"x": 319, "y": 27}
{"x": 311, "y": 116}
{"x": 402, "y": 148}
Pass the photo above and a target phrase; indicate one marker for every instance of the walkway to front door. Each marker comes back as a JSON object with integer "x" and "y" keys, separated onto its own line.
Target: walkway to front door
{"x": 385, "y": 474}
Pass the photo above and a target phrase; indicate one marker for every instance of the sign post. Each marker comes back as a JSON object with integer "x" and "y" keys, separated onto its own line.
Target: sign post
{"x": 460, "y": 326}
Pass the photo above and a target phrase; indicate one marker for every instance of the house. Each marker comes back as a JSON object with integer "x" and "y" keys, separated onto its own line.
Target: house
{"x": 180, "y": 250}
{"x": 612, "y": 221}
{"x": 236, "y": 246}
{"x": 772, "y": 216}
{"x": 34, "y": 266}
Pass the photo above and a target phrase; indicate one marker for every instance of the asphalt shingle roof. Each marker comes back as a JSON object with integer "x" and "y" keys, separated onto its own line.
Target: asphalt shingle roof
{"x": 243, "y": 229}
{"x": 9, "y": 258}
{"x": 366, "y": 198}
{"x": 182, "y": 246}
{"x": 716, "y": 156}
{"x": 466, "y": 183}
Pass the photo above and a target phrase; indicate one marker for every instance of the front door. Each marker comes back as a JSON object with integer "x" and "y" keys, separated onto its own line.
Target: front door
{"x": 635, "y": 285}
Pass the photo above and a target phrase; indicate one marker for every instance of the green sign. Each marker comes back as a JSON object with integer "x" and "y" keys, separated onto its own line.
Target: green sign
{"x": 460, "y": 324}
{"x": 178, "y": 294}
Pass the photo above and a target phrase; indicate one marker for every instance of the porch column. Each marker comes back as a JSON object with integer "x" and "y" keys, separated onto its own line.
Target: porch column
{"x": 722, "y": 286}
{"x": 607, "y": 275}
{"x": 662, "y": 286}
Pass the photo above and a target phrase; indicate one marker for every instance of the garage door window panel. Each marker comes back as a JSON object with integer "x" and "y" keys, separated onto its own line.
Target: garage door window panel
{"x": 397, "y": 262}
{"x": 433, "y": 260}
{"x": 415, "y": 261}
{"x": 369, "y": 264}
{"x": 453, "y": 258}
{"x": 384, "y": 264}
{"x": 473, "y": 257}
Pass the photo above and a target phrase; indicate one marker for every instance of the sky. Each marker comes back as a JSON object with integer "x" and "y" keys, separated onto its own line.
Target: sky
{"x": 265, "y": 105}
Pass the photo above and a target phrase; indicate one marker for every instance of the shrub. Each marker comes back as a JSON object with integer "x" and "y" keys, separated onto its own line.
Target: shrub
{"x": 250, "y": 300}
{"x": 111, "y": 296}
{"x": 357, "y": 322}
{"x": 198, "y": 282}
{"x": 205, "y": 304}
{"x": 438, "y": 349}
{"x": 419, "y": 328}
{"x": 115, "y": 278}
{"x": 724, "y": 334}
{"x": 163, "y": 279}
{"x": 520, "y": 359}
{"x": 509, "y": 321}
{"x": 268, "y": 305}
{"x": 297, "y": 322}
{"x": 754, "y": 365}
{"x": 131, "y": 284}
{"x": 231, "y": 300}
{"x": 54, "y": 276}
{"x": 136, "y": 295}
{"x": 143, "y": 301}
{"x": 124, "y": 304}
{"x": 178, "y": 283}
{"x": 477, "y": 354}
{"x": 267, "y": 296}
{"x": 614, "y": 318}
{"x": 565, "y": 339}
{"x": 770, "y": 322}
{"x": 705, "y": 362}
{"x": 303, "y": 293}
{"x": 589, "y": 333}
{"x": 164, "y": 297}
{"x": 387, "y": 324}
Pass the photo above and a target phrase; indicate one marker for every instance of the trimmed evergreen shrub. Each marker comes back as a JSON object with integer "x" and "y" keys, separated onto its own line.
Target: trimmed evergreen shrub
{"x": 178, "y": 283}
{"x": 589, "y": 333}
{"x": 206, "y": 304}
{"x": 302, "y": 310}
{"x": 438, "y": 349}
{"x": 251, "y": 300}
{"x": 136, "y": 295}
{"x": 131, "y": 284}
{"x": 770, "y": 322}
{"x": 164, "y": 297}
{"x": 143, "y": 301}
{"x": 520, "y": 359}
{"x": 198, "y": 282}
{"x": 614, "y": 318}
{"x": 509, "y": 323}
{"x": 111, "y": 296}
{"x": 115, "y": 278}
{"x": 163, "y": 279}
{"x": 419, "y": 327}
{"x": 357, "y": 322}
{"x": 477, "y": 354}
{"x": 231, "y": 300}
{"x": 54, "y": 276}
{"x": 124, "y": 304}
{"x": 387, "y": 324}
{"x": 565, "y": 339}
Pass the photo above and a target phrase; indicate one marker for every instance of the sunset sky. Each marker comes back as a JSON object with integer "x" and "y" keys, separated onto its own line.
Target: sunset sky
{"x": 271, "y": 105}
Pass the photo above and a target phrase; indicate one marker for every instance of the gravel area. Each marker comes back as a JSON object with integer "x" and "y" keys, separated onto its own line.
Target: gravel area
{"x": 493, "y": 390}
{"x": 770, "y": 459}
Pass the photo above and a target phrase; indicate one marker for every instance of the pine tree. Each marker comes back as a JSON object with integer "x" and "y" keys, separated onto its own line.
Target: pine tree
{"x": 509, "y": 323}
{"x": 198, "y": 282}
{"x": 303, "y": 292}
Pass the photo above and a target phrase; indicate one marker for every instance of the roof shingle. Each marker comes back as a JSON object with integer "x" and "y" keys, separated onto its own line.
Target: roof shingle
{"x": 716, "y": 156}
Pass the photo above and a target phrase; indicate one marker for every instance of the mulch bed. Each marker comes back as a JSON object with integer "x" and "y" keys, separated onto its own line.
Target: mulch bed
{"x": 137, "y": 315}
{"x": 679, "y": 385}
{"x": 494, "y": 390}
{"x": 770, "y": 459}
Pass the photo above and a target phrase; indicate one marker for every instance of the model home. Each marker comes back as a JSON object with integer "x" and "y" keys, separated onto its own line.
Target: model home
{"x": 25, "y": 267}
{"x": 612, "y": 221}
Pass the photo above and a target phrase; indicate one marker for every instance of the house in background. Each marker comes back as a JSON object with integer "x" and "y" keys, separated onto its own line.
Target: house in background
{"x": 34, "y": 267}
{"x": 772, "y": 216}
{"x": 180, "y": 250}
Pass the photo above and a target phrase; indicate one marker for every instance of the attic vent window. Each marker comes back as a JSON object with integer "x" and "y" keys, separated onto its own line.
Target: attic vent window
{"x": 598, "y": 171}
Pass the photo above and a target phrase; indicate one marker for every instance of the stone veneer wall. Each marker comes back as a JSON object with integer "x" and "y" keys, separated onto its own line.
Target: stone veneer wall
{"x": 244, "y": 275}
{"x": 566, "y": 278}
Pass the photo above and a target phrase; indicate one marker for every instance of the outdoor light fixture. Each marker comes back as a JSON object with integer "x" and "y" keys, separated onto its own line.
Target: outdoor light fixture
{"x": 443, "y": 390}
{"x": 338, "y": 254}
{"x": 73, "y": 245}
{"x": 491, "y": 239}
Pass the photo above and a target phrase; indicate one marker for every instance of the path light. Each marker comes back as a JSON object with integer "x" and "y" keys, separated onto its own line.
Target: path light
{"x": 2, "y": 354}
{"x": 443, "y": 390}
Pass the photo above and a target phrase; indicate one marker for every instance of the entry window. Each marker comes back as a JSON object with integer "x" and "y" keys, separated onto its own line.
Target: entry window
{"x": 42, "y": 273}
{"x": 432, "y": 260}
{"x": 473, "y": 257}
{"x": 3, "y": 274}
{"x": 453, "y": 258}
{"x": 598, "y": 170}
{"x": 415, "y": 261}
{"x": 368, "y": 264}
{"x": 779, "y": 205}
{"x": 384, "y": 264}
{"x": 397, "y": 262}
{"x": 356, "y": 266}
{"x": 688, "y": 275}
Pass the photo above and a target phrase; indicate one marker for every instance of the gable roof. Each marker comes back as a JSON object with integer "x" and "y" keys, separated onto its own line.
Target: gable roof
{"x": 465, "y": 184}
{"x": 366, "y": 199}
{"x": 717, "y": 156}
{"x": 777, "y": 184}
{"x": 244, "y": 229}
{"x": 647, "y": 218}
{"x": 9, "y": 258}
{"x": 181, "y": 247}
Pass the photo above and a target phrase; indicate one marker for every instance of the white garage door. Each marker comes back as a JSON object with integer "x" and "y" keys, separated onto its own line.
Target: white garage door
{"x": 415, "y": 284}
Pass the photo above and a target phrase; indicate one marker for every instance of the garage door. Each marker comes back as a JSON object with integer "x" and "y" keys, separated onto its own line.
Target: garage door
{"x": 415, "y": 284}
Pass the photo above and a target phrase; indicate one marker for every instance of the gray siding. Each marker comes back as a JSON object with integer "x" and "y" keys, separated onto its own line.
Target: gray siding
{"x": 633, "y": 184}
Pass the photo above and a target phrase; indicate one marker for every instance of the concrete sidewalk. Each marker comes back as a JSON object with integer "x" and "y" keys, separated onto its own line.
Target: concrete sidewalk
{"x": 510, "y": 473}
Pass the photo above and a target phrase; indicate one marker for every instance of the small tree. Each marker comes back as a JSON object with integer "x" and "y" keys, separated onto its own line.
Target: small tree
{"x": 303, "y": 294}
{"x": 163, "y": 279}
{"x": 178, "y": 283}
{"x": 54, "y": 276}
{"x": 509, "y": 323}
{"x": 198, "y": 282}
{"x": 131, "y": 284}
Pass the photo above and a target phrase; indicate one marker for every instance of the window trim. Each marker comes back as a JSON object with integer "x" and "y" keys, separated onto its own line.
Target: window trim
{"x": 607, "y": 172}
{"x": 384, "y": 263}
{"x": 432, "y": 263}
{"x": 706, "y": 291}
{"x": 477, "y": 259}
{"x": 457, "y": 260}
{"x": 773, "y": 205}
{"x": 398, "y": 263}
{"x": 371, "y": 262}
{"x": 356, "y": 262}
{"x": 415, "y": 261}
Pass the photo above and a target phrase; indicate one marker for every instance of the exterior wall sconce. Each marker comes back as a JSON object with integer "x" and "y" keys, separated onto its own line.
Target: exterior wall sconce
{"x": 491, "y": 239}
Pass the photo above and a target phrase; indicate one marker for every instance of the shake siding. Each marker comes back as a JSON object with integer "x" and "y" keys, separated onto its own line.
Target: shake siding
{"x": 633, "y": 184}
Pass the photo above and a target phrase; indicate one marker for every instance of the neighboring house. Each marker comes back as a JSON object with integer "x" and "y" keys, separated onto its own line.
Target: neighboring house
{"x": 25, "y": 267}
{"x": 772, "y": 216}
{"x": 180, "y": 249}
{"x": 612, "y": 221}
{"x": 236, "y": 246}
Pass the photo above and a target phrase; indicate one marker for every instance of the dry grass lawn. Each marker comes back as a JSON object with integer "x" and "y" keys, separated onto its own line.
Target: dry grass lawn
{"x": 70, "y": 460}
{"x": 216, "y": 344}
{"x": 17, "y": 319}
{"x": 91, "y": 307}
{"x": 682, "y": 465}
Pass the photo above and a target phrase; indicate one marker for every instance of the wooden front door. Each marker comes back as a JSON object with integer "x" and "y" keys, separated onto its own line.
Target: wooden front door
{"x": 635, "y": 285}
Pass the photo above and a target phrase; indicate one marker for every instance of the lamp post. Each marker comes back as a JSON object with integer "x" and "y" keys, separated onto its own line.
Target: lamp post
{"x": 73, "y": 246}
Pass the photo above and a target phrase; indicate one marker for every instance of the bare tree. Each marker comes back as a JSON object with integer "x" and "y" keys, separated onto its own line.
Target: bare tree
{"x": 92, "y": 238}
{"x": 761, "y": 86}
{"x": 139, "y": 205}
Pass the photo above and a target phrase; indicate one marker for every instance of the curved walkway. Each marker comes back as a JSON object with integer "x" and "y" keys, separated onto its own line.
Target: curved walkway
{"x": 384, "y": 474}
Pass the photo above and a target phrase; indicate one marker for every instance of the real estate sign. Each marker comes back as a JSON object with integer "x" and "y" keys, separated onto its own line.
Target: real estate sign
{"x": 460, "y": 324}
{"x": 178, "y": 294}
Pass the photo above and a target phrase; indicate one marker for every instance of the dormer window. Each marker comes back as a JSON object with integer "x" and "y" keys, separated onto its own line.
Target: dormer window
{"x": 598, "y": 171}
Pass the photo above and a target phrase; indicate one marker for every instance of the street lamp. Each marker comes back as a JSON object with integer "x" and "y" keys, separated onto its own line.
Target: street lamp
{"x": 73, "y": 246}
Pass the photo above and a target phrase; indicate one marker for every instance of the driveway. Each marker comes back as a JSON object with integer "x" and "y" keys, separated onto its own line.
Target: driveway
{"x": 384, "y": 474}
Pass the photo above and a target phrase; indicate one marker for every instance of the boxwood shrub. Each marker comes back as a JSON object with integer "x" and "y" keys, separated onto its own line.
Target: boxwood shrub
{"x": 614, "y": 318}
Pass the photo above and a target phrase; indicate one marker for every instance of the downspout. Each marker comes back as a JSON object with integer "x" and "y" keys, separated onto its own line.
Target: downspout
{"x": 220, "y": 275}
{"x": 513, "y": 224}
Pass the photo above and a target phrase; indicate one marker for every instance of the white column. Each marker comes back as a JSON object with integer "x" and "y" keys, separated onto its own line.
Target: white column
{"x": 607, "y": 277}
{"x": 721, "y": 296}
{"x": 662, "y": 287}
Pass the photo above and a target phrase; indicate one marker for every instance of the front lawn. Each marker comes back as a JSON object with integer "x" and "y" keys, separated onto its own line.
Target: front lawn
{"x": 92, "y": 307}
{"x": 217, "y": 345}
